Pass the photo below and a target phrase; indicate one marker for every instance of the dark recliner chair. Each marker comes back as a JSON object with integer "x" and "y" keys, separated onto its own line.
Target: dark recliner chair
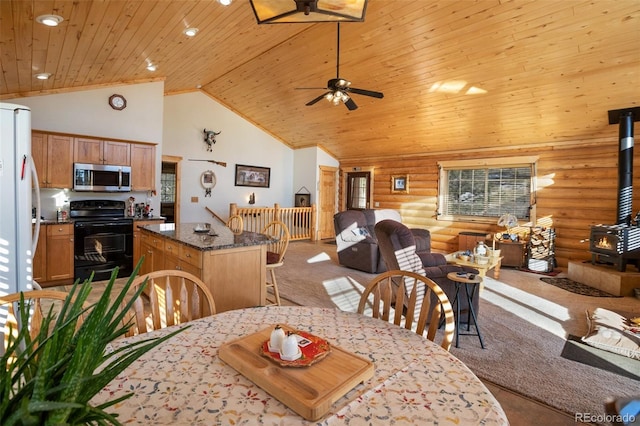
{"x": 399, "y": 250}
{"x": 356, "y": 241}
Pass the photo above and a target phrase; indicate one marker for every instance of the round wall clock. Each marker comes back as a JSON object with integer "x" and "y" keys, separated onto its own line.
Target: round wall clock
{"x": 117, "y": 102}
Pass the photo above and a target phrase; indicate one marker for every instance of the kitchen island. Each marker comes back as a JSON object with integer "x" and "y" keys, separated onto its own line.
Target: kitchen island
{"x": 232, "y": 266}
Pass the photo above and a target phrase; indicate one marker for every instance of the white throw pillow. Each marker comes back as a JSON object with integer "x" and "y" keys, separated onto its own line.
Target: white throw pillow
{"x": 611, "y": 332}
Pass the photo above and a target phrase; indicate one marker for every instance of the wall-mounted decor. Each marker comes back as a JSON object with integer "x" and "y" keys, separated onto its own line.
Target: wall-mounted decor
{"x": 208, "y": 181}
{"x": 400, "y": 183}
{"x": 210, "y": 138}
{"x": 303, "y": 199}
{"x": 252, "y": 176}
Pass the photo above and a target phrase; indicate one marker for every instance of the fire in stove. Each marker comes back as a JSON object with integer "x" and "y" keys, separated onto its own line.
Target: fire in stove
{"x": 603, "y": 243}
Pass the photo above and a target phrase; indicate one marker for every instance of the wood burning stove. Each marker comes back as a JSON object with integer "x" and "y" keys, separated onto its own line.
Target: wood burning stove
{"x": 616, "y": 244}
{"x": 619, "y": 243}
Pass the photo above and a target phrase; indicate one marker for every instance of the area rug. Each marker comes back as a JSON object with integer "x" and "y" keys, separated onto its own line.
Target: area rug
{"x": 576, "y": 287}
{"x": 576, "y": 350}
{"x": 524, "y": 331}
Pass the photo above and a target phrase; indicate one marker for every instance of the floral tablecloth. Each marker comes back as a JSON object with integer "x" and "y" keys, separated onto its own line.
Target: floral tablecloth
{"x": 183, "y": 382}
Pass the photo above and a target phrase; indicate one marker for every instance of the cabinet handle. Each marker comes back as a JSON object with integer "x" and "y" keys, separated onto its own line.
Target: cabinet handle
{"x": 188, "y": 255}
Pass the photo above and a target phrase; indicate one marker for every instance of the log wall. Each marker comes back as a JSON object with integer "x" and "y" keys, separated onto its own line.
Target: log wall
{"x": 577, "y": 188}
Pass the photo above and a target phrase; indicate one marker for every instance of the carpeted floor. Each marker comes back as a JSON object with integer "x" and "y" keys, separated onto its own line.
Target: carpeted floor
{"x": 576, "y": 287}
{"x": 523, "y": 328}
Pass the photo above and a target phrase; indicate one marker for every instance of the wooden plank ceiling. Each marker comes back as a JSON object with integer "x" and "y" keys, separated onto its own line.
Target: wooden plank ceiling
{"x": 456, "y": 75}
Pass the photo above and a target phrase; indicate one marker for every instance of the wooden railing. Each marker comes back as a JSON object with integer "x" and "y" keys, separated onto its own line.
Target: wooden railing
{"x": 301, "y": 221}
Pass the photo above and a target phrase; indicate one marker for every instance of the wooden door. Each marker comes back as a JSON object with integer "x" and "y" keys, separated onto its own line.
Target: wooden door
{"x": 327, "y": 202}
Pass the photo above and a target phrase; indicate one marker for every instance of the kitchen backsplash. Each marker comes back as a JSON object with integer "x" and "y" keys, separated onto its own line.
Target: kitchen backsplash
{"x": 52, "y": 199}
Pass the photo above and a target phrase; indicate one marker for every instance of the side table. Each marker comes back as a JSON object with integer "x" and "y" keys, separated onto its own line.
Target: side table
{"x": 467, "y": 280}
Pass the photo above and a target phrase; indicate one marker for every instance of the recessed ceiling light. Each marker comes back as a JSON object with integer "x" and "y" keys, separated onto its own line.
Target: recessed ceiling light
{"x": 225, "y": 2}
{"x": 50, "y": 20}
{"x": 190, "y": 32}
{"x": 43, "y": 76}
{"x": 151, "y": 67}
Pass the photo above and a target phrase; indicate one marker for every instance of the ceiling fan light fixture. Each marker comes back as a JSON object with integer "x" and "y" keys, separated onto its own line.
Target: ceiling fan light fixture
{"x": 308, "y": 11}
{"x": 50, "y": 20}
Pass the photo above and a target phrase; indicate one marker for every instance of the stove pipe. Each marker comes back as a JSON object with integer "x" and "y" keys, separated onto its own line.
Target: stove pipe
{"x": 625, "y": 169}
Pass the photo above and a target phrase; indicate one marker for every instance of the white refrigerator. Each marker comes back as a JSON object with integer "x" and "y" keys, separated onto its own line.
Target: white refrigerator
{"x": 17, "y": 172}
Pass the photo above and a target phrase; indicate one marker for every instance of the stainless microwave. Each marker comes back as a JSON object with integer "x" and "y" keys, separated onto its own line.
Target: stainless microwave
{"x": 101, "y": 178}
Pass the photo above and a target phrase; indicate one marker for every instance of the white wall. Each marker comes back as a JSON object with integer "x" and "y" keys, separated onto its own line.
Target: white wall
{"x": 186, "y": 116}
{"x": 176, "y": 124}
{"x": 87, "y": 112}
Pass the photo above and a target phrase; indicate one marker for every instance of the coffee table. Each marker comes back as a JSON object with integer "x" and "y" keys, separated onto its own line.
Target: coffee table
{"x": 494, "y": 263}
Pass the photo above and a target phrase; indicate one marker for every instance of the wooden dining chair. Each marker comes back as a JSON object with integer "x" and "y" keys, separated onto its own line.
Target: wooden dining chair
{"x": 236, "y": 224}
{"x": 171, "y": 297}
{"x": 39, "y": 302}
{"x": 409, "y": 300}
{"x": 275, "y": 254}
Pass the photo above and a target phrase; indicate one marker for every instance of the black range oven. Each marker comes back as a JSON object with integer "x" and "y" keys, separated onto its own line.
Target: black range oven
{"x": 103, "y": 239}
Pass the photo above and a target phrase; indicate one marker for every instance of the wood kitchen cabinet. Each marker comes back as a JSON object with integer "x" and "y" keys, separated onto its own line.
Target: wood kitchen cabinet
{"x": 183, "y": 258}
{"x": 152, "y": 248}
{"x": 235, "y": 274}
{"x": 40, "y": 257}
{"x": 59, "y": 252}
{"x": 96, "y": 151}
{"x": 53, "y": 157}
{"x": 143, "y": 167}
{"x": 137, "y": 250}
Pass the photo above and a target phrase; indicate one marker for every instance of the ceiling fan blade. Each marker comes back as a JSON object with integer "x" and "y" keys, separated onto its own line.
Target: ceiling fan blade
{"x": 351, "y": 104}
{"x": 371, "y": 93}
{"x": 317, "y": 99}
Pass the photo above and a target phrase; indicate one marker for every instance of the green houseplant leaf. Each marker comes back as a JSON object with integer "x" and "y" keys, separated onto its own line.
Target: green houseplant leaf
{"x": 51, "y": 379}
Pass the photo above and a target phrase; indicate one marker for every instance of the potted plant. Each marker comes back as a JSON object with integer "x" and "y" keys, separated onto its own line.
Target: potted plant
{"x": 51, "y": 378}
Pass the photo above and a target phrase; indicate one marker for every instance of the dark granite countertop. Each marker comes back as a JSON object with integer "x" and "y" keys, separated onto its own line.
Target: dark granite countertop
{"x": 219, "y": 237}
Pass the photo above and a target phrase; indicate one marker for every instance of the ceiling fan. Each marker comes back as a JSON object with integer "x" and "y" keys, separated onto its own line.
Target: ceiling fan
{"x": 339, "y": 88}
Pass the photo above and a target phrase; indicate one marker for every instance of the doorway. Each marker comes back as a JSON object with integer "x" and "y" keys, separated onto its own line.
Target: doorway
{"x": 170, "y": 189}
{"x": 327, "y": 204}
{"x": 358, "y": 190}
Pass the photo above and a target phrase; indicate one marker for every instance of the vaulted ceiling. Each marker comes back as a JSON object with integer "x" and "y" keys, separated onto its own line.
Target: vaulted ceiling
{"x": 456, "y": 75}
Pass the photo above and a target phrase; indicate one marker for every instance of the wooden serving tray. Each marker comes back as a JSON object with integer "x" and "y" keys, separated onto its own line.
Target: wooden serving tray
{"x": 309, "y": 391}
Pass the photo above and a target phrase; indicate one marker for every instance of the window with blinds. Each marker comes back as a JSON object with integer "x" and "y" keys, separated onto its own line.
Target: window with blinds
{"x": 486, "y": 192}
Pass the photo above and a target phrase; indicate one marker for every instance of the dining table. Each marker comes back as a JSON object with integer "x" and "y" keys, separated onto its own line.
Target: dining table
{"x": 183, "y": 381}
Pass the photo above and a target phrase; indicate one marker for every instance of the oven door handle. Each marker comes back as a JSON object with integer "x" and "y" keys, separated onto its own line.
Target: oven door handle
{"x": 98, "y": 271}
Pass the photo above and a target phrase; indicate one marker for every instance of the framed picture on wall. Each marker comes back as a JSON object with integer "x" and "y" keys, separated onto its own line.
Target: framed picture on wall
{"x": 257, "y": 177}
{"x": 400, "y": 183}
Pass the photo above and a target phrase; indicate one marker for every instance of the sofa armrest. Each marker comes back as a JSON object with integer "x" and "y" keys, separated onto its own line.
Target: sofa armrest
{"x": 432, "y": 259}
